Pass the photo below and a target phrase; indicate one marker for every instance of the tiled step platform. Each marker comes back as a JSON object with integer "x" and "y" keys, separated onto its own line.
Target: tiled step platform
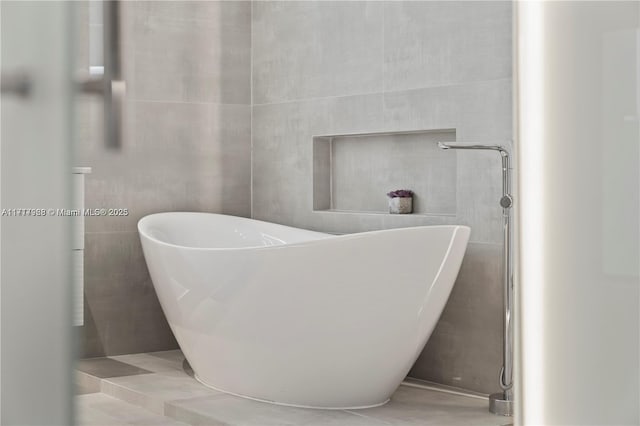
{"x": 159, "y": 389}
{"x": 99, "y": 409}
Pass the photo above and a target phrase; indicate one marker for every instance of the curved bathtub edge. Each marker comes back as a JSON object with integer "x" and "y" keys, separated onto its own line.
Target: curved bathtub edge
{"x": 284, "y": 404}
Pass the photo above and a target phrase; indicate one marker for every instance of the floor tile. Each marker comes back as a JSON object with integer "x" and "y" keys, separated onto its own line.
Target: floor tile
{"x": 151, "y": 391}
{"x": 81, "y": 389}
{"x": 86, "y": 383}
{"x": 413, "y": 406}
{"x": 161, "y": 383}
{"x": 230, "y": 410}
{"x": 174, "y": 355}
{"x": 151, "y": 362}
{"x": 98, "y": 409}
{"x": 107, "y": 367}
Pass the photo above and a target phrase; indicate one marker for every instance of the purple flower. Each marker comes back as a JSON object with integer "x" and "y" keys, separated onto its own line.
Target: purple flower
{"x": 400, "y": 193}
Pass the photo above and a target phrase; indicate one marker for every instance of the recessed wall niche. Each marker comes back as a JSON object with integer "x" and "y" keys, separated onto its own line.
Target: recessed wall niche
{"x": 354, "y": 172}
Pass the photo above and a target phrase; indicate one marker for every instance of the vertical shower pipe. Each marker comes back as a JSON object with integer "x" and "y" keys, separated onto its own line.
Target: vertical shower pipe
{"x": 502, "y": 402}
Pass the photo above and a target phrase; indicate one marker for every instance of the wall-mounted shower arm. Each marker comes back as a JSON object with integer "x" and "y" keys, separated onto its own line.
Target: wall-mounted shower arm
{"x": 502, "y": 402}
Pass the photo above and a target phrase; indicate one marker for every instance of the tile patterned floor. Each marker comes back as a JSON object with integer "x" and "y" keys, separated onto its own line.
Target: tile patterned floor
{"x": 98, "y": 409}
{"x": 108, "y": 367}
{"x": 159, "y": 389}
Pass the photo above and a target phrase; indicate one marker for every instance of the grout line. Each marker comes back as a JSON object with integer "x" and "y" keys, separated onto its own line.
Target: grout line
{"x": 331, "y": 171}
{"x": 425, "y": 385}
{"x": 134, "y": 230}
{"x": 251, "y": 214}
{"x": 415, "y": 216}
{"x": 384, "y": 68}
{"x": 169, "y": 101}
{"x": 318, "y": 98}
{"x": 383, "y": 101}
{"x": 140, "y": 399}
{"x": 364, "y": 416}
{"x": 391, "y": 92}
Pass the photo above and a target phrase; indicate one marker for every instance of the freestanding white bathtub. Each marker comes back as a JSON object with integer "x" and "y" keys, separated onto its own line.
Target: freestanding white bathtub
{"x": 296, "y": 317}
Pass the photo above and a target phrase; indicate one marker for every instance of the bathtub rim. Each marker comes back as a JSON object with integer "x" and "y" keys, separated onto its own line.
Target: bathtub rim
{"x": 326, "y": 236}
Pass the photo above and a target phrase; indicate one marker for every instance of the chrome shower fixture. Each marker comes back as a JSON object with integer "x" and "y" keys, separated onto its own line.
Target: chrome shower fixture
{"x": 501, "y": 402}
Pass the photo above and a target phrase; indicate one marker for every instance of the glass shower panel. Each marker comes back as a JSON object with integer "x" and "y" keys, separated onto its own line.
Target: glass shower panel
{"x": 37, "y": 348}
{"x": 579, "y": 188}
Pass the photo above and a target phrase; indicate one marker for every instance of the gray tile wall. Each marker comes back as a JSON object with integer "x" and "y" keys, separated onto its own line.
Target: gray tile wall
{"x": 322, "y": 68}
{"x": 205, "y": 78}
{"x": 187, "y": 146}
{"x": 409, "y": 160}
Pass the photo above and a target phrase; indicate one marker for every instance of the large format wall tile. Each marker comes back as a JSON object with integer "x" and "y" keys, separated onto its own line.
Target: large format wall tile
{"x": 480, "y": 112}
{"x": 365, "y": 168}
{"x": 177, "y": 156}
{"x": 283, "y": 153}
{"x": 311, "y": 49}
{"x": 318, "y": 68}
{"x": 186, "y": 146}
{"x": 122, "y": 312}
{"x": 283, "y": 150}
{"x": 190, "y": 52}
{"x": 465, "y": 349}
{"x": 445, "y": 65}
{"x": 435, "y": 43}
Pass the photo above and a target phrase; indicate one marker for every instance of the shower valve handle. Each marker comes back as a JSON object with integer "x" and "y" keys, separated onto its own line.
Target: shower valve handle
{"x": 506, "y": 201}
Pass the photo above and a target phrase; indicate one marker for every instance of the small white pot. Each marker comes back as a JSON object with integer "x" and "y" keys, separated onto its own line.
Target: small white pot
{"x": 400, "y": 205}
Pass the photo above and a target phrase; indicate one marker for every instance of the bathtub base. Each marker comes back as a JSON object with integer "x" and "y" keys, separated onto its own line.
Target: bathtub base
{"x": 360, "y": 407}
